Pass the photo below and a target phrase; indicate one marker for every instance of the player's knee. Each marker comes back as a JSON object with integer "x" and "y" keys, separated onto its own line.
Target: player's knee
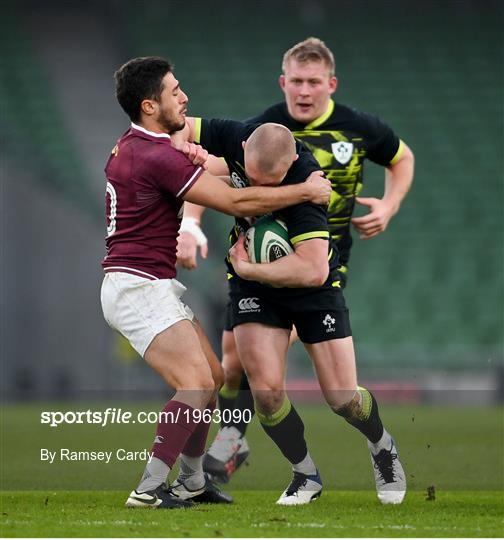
{"x": 346, "y": 403}
{"x": 198, "y": 378}
{"x": 339, "y": 398}
{"x": 232, "y": 376}
{"x": 195, "y": 387}
{"x": 207, "y": 383}
{"x": 268, "y": 402}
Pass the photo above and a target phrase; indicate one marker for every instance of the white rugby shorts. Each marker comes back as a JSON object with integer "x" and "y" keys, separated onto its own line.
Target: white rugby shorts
{"x": 141, "y": 308}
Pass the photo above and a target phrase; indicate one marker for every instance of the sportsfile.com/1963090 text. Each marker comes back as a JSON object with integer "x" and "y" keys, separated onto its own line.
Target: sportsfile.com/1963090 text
{"x": 113, "y": 415}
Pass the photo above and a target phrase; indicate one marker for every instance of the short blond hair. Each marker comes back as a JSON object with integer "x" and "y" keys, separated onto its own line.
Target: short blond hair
{"x": 272, "y": 148}
{"x": 311, "y": 49}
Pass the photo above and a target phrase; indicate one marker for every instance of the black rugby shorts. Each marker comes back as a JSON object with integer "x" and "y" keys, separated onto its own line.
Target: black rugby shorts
{"x": 319, "y": 314}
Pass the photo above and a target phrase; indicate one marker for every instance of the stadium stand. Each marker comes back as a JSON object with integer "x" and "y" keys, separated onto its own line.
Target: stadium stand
{"x": 426, "y": 295}
{"x": 37, "y": 137}
{"x": 431, "y": 286}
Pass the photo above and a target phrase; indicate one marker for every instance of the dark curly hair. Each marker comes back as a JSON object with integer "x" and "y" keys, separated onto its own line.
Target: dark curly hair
{"x": 140, "y": 79}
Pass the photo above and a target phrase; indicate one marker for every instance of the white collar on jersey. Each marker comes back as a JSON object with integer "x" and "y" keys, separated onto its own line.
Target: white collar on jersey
{"x": 140, "y": 128}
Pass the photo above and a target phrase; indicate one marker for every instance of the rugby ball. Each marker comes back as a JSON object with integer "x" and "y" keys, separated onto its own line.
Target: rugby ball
{"x": 267, "y": 240}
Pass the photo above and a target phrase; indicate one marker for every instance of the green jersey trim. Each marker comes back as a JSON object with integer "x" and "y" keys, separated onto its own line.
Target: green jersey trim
{"x": 308, "y": 236}
{"x": 276, "y": 417}
{"x": 197, "y": 130}
{"x": 321, "y": 119}
{"x": 398, "y": 154}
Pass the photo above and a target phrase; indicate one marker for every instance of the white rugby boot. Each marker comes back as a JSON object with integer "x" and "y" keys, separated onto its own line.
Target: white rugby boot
{"x": 161, "y": 497}
{"x": 226, "y": 454}
{"x": 302, "y": 490}
{"x": 389, "y": 475}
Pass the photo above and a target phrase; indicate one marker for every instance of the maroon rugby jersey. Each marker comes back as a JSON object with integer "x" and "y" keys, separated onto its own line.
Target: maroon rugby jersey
{"x": 146, "y": 179}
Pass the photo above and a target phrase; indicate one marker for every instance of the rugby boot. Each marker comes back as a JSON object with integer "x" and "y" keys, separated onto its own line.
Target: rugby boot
{"x": 389, "y": 475}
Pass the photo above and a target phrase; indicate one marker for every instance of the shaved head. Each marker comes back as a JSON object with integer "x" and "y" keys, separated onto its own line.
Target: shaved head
{"x": 269, "y": 153}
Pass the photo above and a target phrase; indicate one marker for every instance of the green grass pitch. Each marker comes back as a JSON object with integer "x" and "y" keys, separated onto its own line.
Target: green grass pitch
{"x": 335, "y": 514}
{"x": 457, "y": 450}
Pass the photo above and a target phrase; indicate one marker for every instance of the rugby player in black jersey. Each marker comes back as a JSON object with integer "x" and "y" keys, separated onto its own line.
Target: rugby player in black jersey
{"x": 341, "y": 139}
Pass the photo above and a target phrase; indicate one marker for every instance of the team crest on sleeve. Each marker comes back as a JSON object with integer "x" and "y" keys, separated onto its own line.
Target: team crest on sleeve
{"x": 342, "y": 151}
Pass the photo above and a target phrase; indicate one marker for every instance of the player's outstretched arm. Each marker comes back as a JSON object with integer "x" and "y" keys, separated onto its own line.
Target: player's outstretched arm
{"x": 306, "y": 267}
{"x": 211, "y": 192}
{"x": 398, "y": 179}
{"x": 191, "y": 237}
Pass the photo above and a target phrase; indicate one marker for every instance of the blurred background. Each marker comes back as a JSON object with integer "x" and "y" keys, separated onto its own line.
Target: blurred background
{"x": 426, "y": 297}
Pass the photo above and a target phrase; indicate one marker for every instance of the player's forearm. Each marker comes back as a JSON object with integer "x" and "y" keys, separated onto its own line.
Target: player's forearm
{"x": 256, "y": 201}
{"x": 217, "y": 166}
{"x": 193, "y": 211}
{"x": 398, "y": 180}
{"x": 211, "y": 192}
{"x": 289, "y": 271}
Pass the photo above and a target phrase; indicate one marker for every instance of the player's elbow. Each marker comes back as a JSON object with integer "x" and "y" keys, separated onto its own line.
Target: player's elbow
{"x": 239, "y": 211}
{"x": 317, "y": 275}
{"x": 408, "y": 156}
{"x": 321, "y": 276}
{"x": 242, "y": 208}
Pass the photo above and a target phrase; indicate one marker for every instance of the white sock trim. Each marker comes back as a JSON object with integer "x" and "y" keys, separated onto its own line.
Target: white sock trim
{"x": 306, "y": 466}
{"x": 384, "y": 443}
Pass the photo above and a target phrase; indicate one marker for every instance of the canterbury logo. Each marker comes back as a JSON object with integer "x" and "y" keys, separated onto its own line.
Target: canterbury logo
{"x": 249, "y": 304}
{"x": 158, "y": 439}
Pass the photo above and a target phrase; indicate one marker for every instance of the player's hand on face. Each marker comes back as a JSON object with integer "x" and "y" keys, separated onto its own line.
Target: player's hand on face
{"x": 187, "y": 248}
{"x": 376, "y": 220}
{"x": 238, "y": 255}
{"x": 321, "y": 187}
{"x": 196, "y": 154}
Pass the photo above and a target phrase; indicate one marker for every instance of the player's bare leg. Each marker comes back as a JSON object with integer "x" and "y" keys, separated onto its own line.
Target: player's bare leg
{"x": 334, "y": 363}
{"x": 230, "y": 448}
{"x": 192, "y": 483}
{"x": 263, "y": 351}
{"x": 191, "y": 376}
{"x": 231, "y": 365}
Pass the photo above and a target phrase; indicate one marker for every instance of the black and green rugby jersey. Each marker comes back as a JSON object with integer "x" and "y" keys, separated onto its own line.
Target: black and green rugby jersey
{"x": 341, "y": 139}
{"x": 223, "y": 138}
